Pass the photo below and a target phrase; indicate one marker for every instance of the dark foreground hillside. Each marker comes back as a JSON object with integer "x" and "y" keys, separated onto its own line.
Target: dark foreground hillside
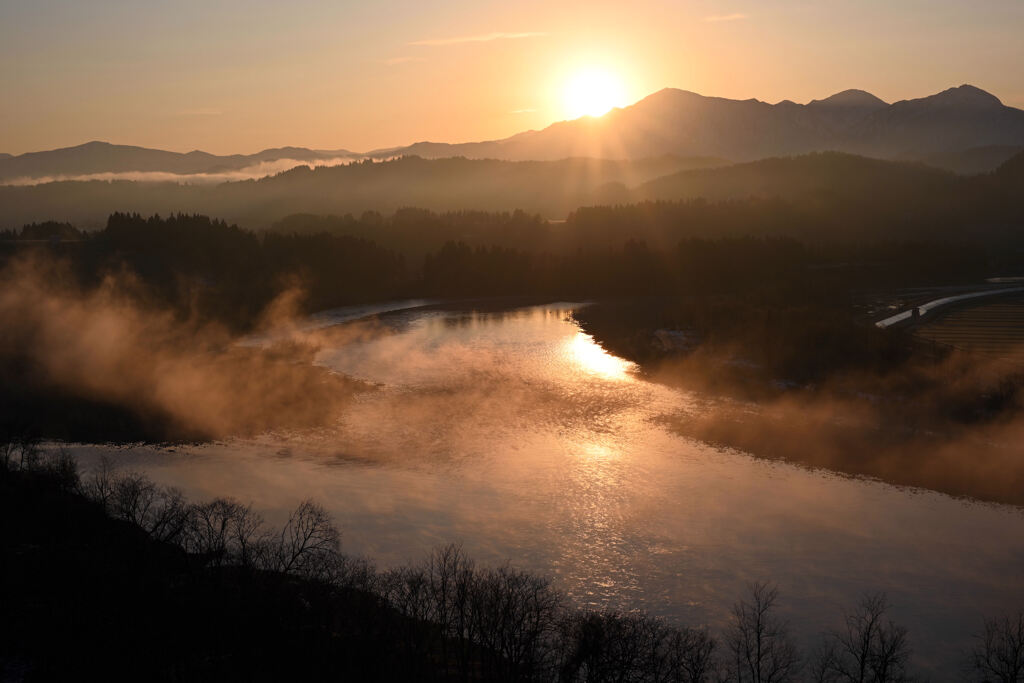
{"x": 114, "y": 578}
{"x": 110, "y": 577}
{"x": 89, "y": 597}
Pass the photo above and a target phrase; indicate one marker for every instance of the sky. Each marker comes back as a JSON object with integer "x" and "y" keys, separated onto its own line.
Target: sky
{"x": 238, "y": 76}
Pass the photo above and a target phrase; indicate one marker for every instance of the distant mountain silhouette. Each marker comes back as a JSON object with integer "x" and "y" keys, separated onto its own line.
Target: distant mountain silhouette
{"x": 963, "y": 129}
{"x": 940, "y": 128}
{"x": 951, "y": 121}
{"x": 859, "y": 99}
{"x": 103, "y": 157}
{"x": 845, "y": 109}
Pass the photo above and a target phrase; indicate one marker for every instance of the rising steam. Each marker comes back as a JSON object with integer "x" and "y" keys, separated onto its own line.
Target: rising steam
{"x": 918, "y": 426}
{"x": 108, "y": 345}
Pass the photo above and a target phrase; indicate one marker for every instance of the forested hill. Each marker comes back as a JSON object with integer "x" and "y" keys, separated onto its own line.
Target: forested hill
{"x": 551, "y": 188}
{"x": 821, "y": 195}
{"x": 826, "y": 174}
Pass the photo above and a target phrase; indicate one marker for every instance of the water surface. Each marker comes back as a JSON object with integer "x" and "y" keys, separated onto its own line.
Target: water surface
{"x": 516, "y": 434}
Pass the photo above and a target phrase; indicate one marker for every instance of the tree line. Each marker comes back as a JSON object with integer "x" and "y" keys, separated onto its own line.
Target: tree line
{"x": 804, "y": 298}
{"x": 226, "y": 272}
{"x": 206, "y": 268}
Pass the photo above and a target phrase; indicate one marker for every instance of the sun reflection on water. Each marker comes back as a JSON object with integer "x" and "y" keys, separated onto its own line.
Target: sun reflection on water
{"x": 596, "y": 451}
{"x": 585, "y": 352}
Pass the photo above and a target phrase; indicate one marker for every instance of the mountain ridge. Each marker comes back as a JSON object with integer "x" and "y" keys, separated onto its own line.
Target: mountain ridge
{"x": 689, "y": 124}
{"x": 942, "y": 126}
{"x": 941, "y": 129}
{"x": 851, "y": 97}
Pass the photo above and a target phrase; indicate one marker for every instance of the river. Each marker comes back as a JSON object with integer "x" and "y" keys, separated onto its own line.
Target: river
{"x": 517, "y": 435}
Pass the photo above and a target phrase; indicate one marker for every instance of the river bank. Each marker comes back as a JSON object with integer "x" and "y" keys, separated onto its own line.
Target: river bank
{"x": 826, "y": 390}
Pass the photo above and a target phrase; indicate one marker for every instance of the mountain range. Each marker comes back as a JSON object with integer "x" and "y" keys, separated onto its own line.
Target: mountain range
{"x": 963, "y": 129}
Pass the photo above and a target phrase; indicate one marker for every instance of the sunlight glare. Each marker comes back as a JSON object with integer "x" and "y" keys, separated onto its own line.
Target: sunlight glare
{"x": 593, "y": 92}
{"x": 586, "y": 352}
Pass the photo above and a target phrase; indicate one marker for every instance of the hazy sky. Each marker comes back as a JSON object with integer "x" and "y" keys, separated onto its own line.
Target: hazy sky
{"x": 242, "y": 75}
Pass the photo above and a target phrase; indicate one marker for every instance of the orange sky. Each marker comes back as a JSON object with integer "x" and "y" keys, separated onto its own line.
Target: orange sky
{"x": 236, "y": 76}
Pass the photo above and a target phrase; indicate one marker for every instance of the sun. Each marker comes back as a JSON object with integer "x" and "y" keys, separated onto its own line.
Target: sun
{"x": 593, "y": 92}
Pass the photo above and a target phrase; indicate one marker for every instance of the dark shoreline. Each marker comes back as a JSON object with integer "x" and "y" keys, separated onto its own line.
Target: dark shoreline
{"x": 908, "y": 423}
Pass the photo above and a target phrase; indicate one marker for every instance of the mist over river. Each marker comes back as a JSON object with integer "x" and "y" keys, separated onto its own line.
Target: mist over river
{"x": 514, "y": 433}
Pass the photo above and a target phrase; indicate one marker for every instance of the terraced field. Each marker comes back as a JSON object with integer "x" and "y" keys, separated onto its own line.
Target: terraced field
{"x": 993, "y": 327}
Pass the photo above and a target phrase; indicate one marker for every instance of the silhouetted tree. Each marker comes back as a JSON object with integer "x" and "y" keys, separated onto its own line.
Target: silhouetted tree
{"x": 692, "y": 655}
{"x": 869, "y": 649}
{"x": 99, "y": 485}
{"x": 451, "y": 578}
{"x": 607, "y": 646}
{"x": 223, "y": 531}
{"x": 309, "y": 543}
{"x": 998, "y": 656}
{"x": 19, "y": 451}
{"x": 160, "y": 511}
{"x": 759, "y": 645}
{"x": 62, "y": 468}
{"x": 515, "y": 617}
{"x": 407, "y": 590}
